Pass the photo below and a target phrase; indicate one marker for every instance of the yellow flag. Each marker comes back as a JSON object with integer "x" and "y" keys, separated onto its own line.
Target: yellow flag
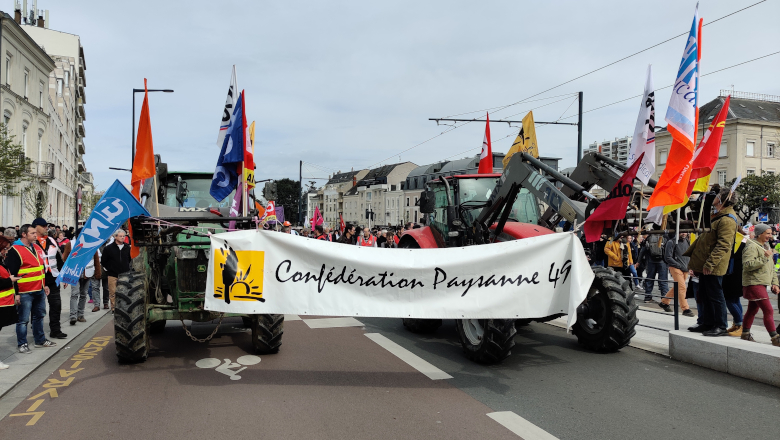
{"x": 702, "y": 184}
{"x": 249, "y": 175}
{"x": 737, "y": 240}
{"x": 525, "y": 141}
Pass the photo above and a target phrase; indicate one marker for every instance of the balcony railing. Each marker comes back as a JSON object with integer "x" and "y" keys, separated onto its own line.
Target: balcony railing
{"x": 85, "y": 178}
{"x": 41, "y": 170}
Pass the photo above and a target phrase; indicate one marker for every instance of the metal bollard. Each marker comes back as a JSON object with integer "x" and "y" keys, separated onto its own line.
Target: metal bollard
{"x": 676, "y": 307}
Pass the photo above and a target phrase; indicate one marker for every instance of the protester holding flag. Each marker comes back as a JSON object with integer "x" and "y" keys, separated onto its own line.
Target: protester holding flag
{"x": 710, "y": 256}
{"x": 758, "y": 277}
{"x": 116, "y": 260}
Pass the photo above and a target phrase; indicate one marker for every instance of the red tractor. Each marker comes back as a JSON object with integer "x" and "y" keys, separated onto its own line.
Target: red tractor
{"x": 479, "y": 209}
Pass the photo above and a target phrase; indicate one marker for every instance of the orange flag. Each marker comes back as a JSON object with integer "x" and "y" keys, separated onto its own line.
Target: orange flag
{"x": 143, "y": 164}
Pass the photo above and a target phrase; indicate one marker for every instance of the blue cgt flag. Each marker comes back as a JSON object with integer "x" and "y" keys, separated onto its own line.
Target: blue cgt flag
{"x": 114, "y": 208}
{"x": 231, "y": 155}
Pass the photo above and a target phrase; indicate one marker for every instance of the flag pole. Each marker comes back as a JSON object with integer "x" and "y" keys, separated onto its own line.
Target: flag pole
{"x": 641, "y": 199}
{"x": 157, "y": 206}
{"x": 677, "y": 231}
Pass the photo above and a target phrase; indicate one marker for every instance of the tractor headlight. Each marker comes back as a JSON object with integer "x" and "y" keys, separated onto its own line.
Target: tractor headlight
{"x": 186, "y": 254}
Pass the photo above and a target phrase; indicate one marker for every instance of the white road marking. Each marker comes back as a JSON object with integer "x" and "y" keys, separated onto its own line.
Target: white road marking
{"x": 410, "y": 358}
{"x": 292, "y": 318}
{"x": 333, "y": 322}
{"x": 521, "y": 426}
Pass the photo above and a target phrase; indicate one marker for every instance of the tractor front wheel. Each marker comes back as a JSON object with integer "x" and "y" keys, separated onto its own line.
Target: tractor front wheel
{"x": 607, "y": 319}
{"x": 487, "y": 341}
{"x": 130, "y": 326}
{"x": 267, "y": 333}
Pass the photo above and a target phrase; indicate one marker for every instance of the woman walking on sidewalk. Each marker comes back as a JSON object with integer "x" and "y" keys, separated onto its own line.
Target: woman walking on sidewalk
{"x": 732, "y": 289}
{"x": 758, "y": 273}
{"x": 8, "y": 297}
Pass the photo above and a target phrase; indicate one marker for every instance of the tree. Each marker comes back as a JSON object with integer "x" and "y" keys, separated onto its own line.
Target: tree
{"x": 287, "y": 193}
{"x": 35, "y": 197}
{"x": 88, "y": 202}
{"x": 13, "y": 164}
{"x": 751, "y": 192}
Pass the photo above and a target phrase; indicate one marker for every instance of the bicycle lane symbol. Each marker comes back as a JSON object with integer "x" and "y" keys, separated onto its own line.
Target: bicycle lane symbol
{"x": 228, "y": 367}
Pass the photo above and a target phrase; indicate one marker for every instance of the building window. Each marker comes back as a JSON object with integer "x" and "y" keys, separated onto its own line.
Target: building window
{"x": 770, "y": 149}
{"x": 6, "y": 118}
{"x": 751, "y": 172}
{"x": 721, "y": 178}
{"x": 407, "y": 201}
{"x": 724, "y": 149}
{"x": 24, "y": 135}
{"x": 770, "y": 172}
{"x": 8, "y": 70}
{"x": 662, "y": 157}
{"x": 750, "y": 148}
{"x": 40, "y": 96}
{"x": 59, "y": 87}
{"x": 26, "y": 82}
{"x": 67, "y": 78}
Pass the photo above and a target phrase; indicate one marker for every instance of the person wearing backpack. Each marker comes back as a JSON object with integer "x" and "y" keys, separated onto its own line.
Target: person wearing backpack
{"x": 710, "y": 260}
{"x": 652, "y": 258}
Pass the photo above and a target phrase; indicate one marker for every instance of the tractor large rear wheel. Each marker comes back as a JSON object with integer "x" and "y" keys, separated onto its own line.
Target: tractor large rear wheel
{"x": 487, "y": 341}
{"x": 607, "y": 319}
{"x": 267, "y": 333}
{"x": 130, "y": 327}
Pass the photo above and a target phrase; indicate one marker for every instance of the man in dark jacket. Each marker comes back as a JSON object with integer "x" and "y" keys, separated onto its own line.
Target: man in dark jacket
{"x": 678, "y": 267}
{"x": 116, "y": 261}
{"x": 651, "y": 256}
{"x": 710, "y": 255}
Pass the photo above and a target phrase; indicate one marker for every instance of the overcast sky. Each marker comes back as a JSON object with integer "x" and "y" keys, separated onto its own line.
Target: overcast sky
{"x": 349, "y": 84}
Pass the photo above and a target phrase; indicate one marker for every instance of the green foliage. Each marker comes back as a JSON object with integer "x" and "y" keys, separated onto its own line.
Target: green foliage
{"x": 287, "y": 193}
{"x": 13, "y": 165}
{"x": 752, "y": 189}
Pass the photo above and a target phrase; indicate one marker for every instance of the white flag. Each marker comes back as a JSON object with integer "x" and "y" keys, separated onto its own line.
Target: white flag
{"x": 227, "y": 113}
{"x": 644, "y": 133}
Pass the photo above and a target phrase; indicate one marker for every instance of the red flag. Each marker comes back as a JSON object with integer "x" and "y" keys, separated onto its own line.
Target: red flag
{"x": 342, "y": 225}
{"x": 143, "y": 163}
{"x": 706, "y": 154}
{"x": 317, "y": 220}
{"x": 614, "y": 206}
{"x": 486, "y": 157}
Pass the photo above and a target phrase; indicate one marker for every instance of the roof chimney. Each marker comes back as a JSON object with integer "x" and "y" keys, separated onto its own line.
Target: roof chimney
{"x": 18, "y": 16}
{"x": 40, "y": 21}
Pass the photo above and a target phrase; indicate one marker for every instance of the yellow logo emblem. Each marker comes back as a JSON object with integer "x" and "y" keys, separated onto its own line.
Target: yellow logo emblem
{"x": 238, "y": 275}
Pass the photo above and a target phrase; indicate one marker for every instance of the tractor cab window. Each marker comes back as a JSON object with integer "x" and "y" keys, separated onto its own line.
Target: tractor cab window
{"x": 439, "y": 215}
{"x": 197, "y": 194}
{"x": 472, "y": 193}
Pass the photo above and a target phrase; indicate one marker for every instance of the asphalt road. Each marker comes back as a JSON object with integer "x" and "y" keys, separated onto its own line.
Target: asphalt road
{"x": 356, "y": 383}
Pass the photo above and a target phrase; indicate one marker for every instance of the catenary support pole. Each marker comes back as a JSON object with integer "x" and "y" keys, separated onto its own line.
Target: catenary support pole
{"x": 579, "y": 130}
{"x": 300, "y": 191}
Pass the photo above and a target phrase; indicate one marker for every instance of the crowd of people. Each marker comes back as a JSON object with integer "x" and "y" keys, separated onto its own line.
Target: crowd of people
{"x": 31, "y": 256}
{"x": 715, "y": 269}
{"x": 353, "y": 234}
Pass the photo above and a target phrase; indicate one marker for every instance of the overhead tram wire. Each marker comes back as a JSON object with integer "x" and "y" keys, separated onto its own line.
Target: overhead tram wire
{"x": 465, "y": 123}
{"x": 513, "y": 133}
{"x": 623, "y": 59}
{"x": 499, "y": 108}
{"x": 524, "y": 102}
{"x": 672, "y": 85}
{"x": 321, "y": 167}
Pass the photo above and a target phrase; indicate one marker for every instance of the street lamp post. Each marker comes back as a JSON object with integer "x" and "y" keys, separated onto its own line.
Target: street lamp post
{"x": 132, "y": 145}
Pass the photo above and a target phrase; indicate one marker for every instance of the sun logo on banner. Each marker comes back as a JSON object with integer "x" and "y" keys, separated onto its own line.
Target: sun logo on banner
{"x": 238, "y": 275}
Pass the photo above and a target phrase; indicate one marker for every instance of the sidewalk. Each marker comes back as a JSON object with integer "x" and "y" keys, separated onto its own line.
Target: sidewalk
{"x": 22, "y": 365}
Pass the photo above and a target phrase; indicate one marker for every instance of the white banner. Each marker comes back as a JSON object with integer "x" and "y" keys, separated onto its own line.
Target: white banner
{"x": 258, "y": 272}
{"x": 644, "y": 133}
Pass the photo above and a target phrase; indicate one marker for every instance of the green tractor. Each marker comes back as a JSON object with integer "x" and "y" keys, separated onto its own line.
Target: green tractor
{"x": 167, "y": 281}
